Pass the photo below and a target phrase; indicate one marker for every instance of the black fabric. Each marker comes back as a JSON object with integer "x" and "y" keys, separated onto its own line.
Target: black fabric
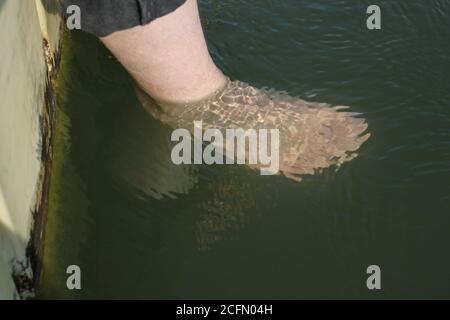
{"x": 103, "y": 17}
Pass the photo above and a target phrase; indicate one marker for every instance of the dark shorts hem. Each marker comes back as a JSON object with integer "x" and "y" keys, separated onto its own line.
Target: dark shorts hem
{"x": 104, "y": 17}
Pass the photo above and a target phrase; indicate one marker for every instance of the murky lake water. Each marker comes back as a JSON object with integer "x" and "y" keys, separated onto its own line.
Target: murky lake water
{"x": 141, "y": 227}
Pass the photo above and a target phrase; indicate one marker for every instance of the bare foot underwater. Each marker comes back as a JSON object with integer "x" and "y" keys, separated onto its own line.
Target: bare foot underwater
{"x": 312, "y": 135}
{"x": 170, "y": 62}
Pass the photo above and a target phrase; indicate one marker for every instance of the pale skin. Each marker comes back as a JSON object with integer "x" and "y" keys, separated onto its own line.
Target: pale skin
{"x": 168, "y": 57}
{"x": 170, "y": 62}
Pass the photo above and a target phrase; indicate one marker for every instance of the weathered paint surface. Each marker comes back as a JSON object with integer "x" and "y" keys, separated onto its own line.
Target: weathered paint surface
{"x": 23, "y": 74}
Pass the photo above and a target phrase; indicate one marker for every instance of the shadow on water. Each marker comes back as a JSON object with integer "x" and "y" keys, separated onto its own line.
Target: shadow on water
{"x": 120, "y": 157}
{"x": 140, "y": 227}
{"x": 114, "y": 158}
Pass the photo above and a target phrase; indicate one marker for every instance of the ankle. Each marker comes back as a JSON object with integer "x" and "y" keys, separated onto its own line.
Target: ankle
{"x": 179, "y": 91}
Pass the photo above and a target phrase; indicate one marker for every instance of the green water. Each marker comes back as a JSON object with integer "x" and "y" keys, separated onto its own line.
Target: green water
{"x": 141, "y": 227}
